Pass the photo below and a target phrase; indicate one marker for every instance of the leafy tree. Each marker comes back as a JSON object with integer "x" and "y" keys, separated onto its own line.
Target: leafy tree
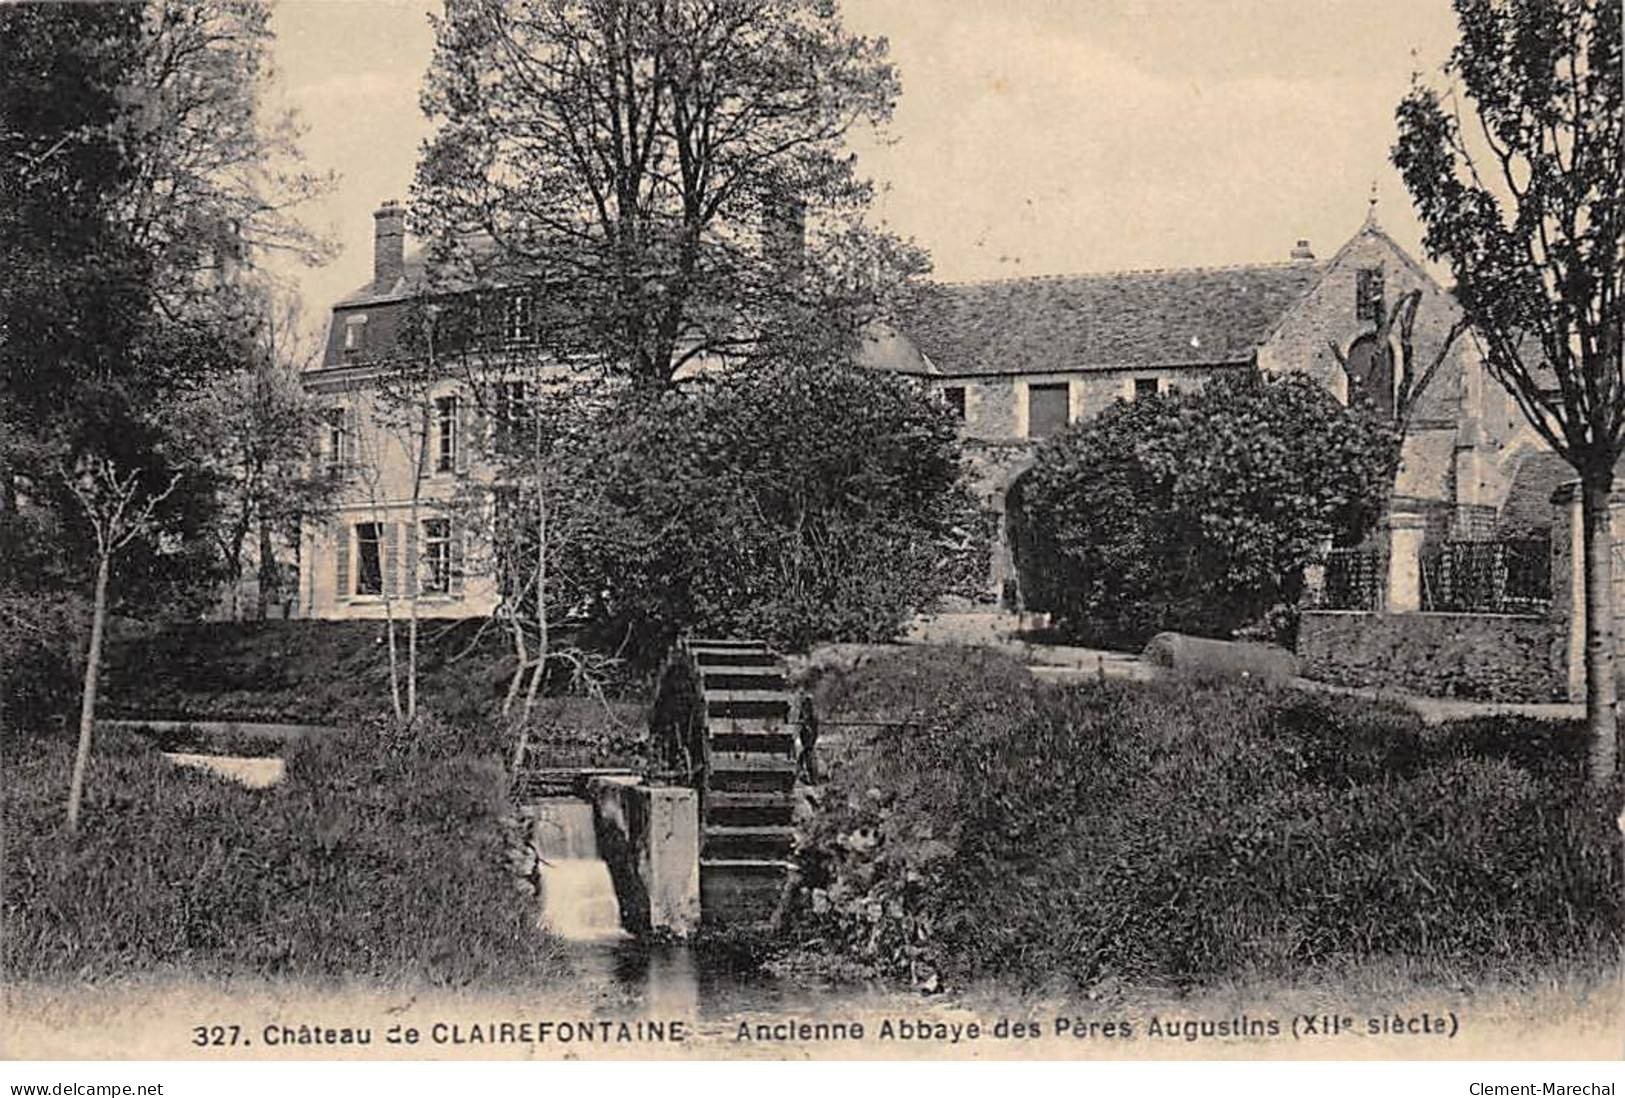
{"x": 674, "y": 173}
{"x": 1521, "y": 193}
{"x": 798, "y": 504}
{"x": 133, "y": 193}
{"x": 256, "y": 424}
{"x": 1199, "y": 511}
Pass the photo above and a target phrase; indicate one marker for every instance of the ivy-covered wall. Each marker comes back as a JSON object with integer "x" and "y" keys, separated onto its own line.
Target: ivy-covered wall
{"x": 1489, "y": 657}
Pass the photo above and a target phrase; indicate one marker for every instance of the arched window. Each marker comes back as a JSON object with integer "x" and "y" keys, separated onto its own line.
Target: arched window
{"x": 1371, "y": 376}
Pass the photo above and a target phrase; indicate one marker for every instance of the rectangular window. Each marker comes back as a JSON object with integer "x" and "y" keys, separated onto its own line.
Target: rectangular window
{"x": 335, "y": 441}
{"x": 437, "y": 556}
{"x": 369, "y": 564}
{"x": 1144, "y": 387}
{"x": 1047, "y": 409}
{"x": 445, "y": 414}
{"x": 512, "y": 405}
{"x": 1368, "y": 294}
{"x": 355, "y": 333}
{"x": 954, "y": 397}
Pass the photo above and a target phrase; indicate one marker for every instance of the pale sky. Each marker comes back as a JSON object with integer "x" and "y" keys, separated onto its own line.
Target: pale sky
{"x": 1032, "y": 137}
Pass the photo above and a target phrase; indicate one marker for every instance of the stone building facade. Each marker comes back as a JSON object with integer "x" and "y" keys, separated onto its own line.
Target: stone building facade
{"x": 1022, "y": 358}
{"x": 1017, "y": 359}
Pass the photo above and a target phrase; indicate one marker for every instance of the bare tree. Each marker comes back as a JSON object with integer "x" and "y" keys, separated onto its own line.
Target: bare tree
{"x": 1410, "y": 383}
{"x": 119, "y": 508}
{"x": 528, "y": 505}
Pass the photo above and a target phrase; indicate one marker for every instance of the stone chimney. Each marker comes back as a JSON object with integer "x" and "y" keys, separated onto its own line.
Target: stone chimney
{"x": 388, "y": 244}
{"x": 1302, "y": 252}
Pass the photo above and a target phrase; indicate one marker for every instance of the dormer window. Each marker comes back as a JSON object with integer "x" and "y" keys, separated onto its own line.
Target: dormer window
{"x": 355, "y": 334}
{"x": 516, "y": 320}
{"x": 335, "y": 441}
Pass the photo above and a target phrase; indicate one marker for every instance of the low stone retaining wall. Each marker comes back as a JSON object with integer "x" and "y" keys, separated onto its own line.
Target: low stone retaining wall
{"x": 1488, "y": 657}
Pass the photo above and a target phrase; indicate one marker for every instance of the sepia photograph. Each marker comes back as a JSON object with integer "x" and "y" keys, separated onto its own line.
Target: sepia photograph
{"x": 785, "y": 530}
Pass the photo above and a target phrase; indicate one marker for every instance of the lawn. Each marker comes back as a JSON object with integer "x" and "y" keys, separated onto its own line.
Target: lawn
{"x": 975, "y": 824}
{"x": 379, "y": 858}
{"x": 304, "y": 672}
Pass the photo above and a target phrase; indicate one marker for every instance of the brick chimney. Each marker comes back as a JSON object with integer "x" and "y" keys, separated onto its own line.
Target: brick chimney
{"x": 388, "y": 244}
{"x": 1302, "y": 252}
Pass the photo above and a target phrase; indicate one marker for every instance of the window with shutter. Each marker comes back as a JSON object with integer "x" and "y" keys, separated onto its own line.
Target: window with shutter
{"x": 341, "y": 564}
{"x": 411, "y": 563}
{"x": 446, "y": 418}
{"x": 463, "y": 431}
{"x": 437, "y": 556}
{"x": 458, "y": 559}
{"x": 369, "y": 565}
{"x": 391, "y": 558}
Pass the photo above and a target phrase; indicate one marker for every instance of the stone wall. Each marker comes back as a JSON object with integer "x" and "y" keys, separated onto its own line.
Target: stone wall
{"x": 1490, "y": 657}
{"x": 996, "y": 407}
{"x": 650, "y": 838}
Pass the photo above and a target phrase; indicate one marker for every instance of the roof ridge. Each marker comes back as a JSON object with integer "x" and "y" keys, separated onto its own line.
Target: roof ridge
{"x": 1284, "y": 264}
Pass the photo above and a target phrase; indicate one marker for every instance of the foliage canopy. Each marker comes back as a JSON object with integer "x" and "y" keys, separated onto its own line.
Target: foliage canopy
{"x": 1198, "y": 511}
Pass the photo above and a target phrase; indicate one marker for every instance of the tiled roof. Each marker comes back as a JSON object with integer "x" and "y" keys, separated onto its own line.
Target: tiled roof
{"x": 1120, "y": 320}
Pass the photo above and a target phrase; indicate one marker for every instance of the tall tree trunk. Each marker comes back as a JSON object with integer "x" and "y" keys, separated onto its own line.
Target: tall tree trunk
{"x": 270, "y": 577}
{"x": 87, "y": 702}
{"x": 1601, "y": 691}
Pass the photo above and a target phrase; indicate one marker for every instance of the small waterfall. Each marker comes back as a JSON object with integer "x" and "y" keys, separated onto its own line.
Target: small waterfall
{"x": 578, "y": 897}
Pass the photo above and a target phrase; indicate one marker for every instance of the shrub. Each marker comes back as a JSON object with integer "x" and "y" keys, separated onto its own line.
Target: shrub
{"x": 1197, "y": 512}
{"x": 379, "y": 857}
{"x": 1176, "y": 835}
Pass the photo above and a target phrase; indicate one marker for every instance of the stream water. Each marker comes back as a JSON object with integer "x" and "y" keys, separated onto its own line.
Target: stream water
{"x": 578, "y": 896}
{"x": 612, "y": 967}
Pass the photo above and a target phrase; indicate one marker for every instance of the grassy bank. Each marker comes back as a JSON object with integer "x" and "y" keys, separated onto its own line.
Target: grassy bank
{"x": 378, "y": 858}
{"x": 316, "y": 672}
{"x": 1178, "y": 835}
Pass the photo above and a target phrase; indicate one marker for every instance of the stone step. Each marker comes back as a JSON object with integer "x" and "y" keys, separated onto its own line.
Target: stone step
{"x": 755, "y": 761}
{"x": 747, "y": 809}
{"x": 751, "y": 841}
{"x": 744, "y": 678}
{"x": 730, "y": 657}
{"x": 756, "y": 780}
{"x": 780, "y": 744}
{"x": 747, "y": 703}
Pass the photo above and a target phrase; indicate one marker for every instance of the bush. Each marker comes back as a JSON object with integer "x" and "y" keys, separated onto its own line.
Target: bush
{"x": 379, "y": 857}
{"x": 1163, "y": 835}
{"x": 1197, "y": 512}
{"x": 42, "y": 649}
{"x": 795, "y": 504}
